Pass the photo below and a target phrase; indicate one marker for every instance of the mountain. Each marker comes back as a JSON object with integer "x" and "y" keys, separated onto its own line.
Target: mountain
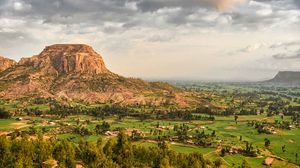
{"x": 6, "y": 63}
{"x": 75, "y": 72}
{"x": 286, "y": 78}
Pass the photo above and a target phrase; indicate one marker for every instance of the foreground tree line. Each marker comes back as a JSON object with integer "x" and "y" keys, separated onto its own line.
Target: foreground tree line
{"x": 21, "y": 152}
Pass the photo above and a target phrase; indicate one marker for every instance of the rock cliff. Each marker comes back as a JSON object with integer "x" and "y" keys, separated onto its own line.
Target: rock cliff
{"x": 6, "y": 63}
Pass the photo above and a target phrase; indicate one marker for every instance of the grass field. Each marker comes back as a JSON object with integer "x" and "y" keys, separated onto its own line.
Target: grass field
{"x": 5, "y": 124}
{"x": 225, "y": 128}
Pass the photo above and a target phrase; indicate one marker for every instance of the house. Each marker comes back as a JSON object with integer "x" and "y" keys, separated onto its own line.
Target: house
{"x": 50, "y": 164}
{"x": 51, "y": 123}
{"x": 268, "y": 161}
{"x": 79, "y": 165}
{"x": 109, "y": 133}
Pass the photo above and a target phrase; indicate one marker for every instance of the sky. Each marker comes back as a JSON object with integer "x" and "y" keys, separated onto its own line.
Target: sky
{"x": 223, "y": 40}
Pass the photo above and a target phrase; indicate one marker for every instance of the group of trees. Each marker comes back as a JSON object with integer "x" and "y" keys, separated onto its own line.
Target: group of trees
{"x": 202, "y": 139}
{"x": 268, "y": 127}
{"x": 121, "y": 111}
{"x": 4, "y": 114}
{"x": 120, "y": 153}
{"x": 100, "y": 111}
{"x": 186, "y": 115}
{"x": 102, "y": 128}
{"x": 199, "y": 138}
{"x": 83, "y": 130}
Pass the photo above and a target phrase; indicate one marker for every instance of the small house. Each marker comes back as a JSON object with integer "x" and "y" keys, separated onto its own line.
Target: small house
{"x": 50, "y": 164}
{"x": 268, "y": 161}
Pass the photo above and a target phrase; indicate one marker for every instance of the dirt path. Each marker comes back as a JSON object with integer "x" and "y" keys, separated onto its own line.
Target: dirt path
{"x": 5, "y": 132}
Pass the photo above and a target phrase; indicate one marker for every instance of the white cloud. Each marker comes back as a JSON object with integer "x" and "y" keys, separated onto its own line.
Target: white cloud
{"x": 264, "y": 12}
{"x": 253, "y": 47}
{"x": 20, "y": 6}
{"x": 131, "y": 5}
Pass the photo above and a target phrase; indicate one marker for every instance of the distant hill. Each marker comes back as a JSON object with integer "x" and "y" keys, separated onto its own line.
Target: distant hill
{"x": 75, "y": 72}
{"x": 286, "y": 78}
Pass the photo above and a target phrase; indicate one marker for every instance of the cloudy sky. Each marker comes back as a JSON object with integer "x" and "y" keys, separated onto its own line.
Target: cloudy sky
{"x": 163, "y": 39}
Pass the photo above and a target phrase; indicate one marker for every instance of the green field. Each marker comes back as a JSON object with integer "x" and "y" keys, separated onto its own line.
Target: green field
{"x": 266, "y": 107}
{"x": 5, "y": 124}
{"x": 225, "y": 128}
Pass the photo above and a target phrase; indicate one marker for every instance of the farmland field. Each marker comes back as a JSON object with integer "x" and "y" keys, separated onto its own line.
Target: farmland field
{"x": 244, "y": 127}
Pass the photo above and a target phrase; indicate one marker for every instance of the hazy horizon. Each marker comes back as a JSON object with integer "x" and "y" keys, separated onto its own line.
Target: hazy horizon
{"x": 205, "y": 40}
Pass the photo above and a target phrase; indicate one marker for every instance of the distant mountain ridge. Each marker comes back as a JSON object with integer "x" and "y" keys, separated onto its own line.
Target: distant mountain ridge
{"x": 286, "y": 77}
{"x": 75, "y": 72}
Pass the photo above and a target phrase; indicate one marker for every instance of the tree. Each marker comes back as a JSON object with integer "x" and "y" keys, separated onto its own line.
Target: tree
{"x": 218, "y": 162}
{"x": 213, "y": 134}
{"x": 43, "y": 150}
{"x": 90, "y": 154}
{"x": 162, "y": 144}
{"x": 64, "y": 153}
{"x": 283, "y": 148}
{"x": 164, "y": 163}
{"x": 136, "y": 135}
{"x": 267, "y": 142}
{"x": 4, "y": 114}
{"x": 123, "y": 154}
{"x": 5, "y": 153}
{"x": 236, "y": 118}
{"x": 108, "y": 148}
{"x": 24, "y": 152}
{"x": 223, "y": 152}
{"x": 82, "y": 130}
{"x": 100, "y": 129}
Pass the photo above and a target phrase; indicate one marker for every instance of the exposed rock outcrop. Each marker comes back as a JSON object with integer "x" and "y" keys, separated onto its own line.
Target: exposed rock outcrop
{"x": 66, "y": 59}
{"x": 6, "y": 63}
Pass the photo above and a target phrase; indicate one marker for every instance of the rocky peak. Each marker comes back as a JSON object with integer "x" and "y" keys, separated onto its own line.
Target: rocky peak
{"x": 6, "y": 63}
{"x": 68, "y": 58}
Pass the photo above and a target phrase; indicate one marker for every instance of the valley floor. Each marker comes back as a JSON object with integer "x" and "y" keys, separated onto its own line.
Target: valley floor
{"x": 227, "y": 132}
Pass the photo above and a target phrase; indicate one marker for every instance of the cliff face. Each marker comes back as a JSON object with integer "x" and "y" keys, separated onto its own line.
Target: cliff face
{"x": 6, "y": 63}
{"x": 287, "y": 77}
{"x": 75, "y": 72}
{"x": 67, "y": 59}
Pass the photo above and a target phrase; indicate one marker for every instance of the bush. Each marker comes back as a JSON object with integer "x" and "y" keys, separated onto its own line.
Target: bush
{"x": 4, "y": 114}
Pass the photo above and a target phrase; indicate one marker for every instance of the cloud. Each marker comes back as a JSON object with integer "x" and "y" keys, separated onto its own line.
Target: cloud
{"x": 253, "y": 47}
{"x": 21, "y": 6}
{"x": 225, "y": 4}
{"x": 286, "y": 57}
{"x": 297, "y": 2}
{"x": 264, "y": 12}
{"x": 285, "y": 44}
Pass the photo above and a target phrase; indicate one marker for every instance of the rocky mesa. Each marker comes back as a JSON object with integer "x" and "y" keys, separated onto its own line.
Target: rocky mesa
{"x": 75, "y": 72}
{"x": 67, "y": 59}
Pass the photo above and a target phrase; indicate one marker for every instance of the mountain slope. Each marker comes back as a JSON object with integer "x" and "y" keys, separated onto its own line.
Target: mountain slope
{"x": 75, "y": 72}
{"x": 286, "y": 78}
